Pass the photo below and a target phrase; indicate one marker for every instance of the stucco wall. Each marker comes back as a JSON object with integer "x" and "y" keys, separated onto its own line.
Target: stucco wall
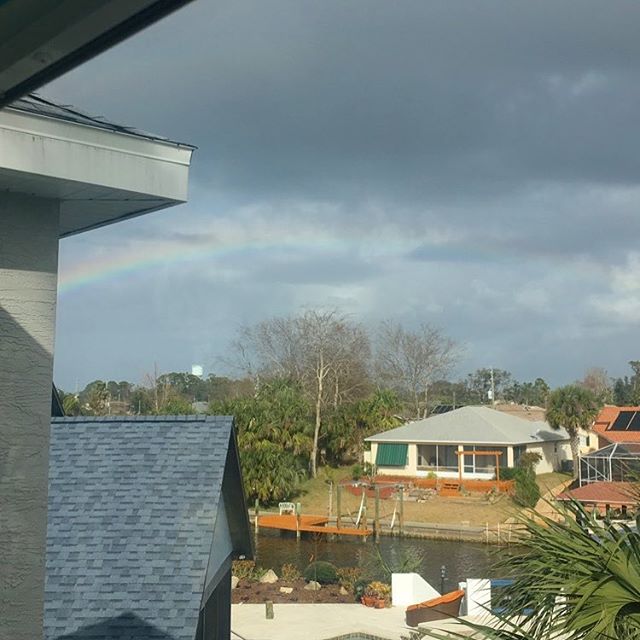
{"x": 28, "y": 276}
{"x": 553, "y": 453}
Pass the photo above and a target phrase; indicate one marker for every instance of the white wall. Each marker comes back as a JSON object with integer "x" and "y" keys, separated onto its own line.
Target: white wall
{"x": 410, "y": 588}
{"x": 553, "y": 453}
{"x": 477, "y": 599}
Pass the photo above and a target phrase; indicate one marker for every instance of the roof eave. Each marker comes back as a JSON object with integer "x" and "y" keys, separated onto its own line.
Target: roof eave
{"x": 463, "y": 442}
{"x": 57, "y": 37}
{"x": 99, "y": 176}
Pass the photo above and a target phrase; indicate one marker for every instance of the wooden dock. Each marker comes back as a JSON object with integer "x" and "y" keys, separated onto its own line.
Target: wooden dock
{"x": 307, "y": 524}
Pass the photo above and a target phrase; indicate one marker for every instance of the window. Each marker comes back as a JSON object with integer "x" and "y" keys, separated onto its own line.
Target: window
{"x": 517, "y": 452}
{"x": 427, "y": 455}
{"x": 486, "y": 463}
{"x": 439, "y": 457}
{"x": 447, "y": 456}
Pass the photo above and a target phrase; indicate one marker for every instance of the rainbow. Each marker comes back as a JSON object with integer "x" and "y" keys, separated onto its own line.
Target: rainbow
{"x": 115, "y": 266}
{"x": 143, "y": 256}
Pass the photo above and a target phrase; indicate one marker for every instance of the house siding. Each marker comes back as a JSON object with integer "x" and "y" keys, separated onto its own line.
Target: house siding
{"x": 28, "y": 271}
{"x": 552, "y": 453}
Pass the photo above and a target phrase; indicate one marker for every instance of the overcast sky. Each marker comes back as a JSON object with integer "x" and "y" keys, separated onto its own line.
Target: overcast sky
{"x": 474, "y": 165}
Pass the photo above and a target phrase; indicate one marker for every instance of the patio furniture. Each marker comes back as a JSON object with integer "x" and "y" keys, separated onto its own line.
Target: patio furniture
{"x": 446, "y": 606}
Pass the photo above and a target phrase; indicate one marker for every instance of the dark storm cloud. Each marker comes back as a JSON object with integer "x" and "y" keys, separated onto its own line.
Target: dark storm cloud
{"x": 401, "y": 100}
{"x": 488, "y": 149}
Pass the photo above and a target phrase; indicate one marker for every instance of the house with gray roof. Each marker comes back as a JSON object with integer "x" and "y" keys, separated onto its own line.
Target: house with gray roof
{"x": 145, "y": 516}
{"x": 451, "y": 445}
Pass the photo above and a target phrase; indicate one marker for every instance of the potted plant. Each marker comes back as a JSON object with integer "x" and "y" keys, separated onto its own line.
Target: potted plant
{"x": 377, "y": 594}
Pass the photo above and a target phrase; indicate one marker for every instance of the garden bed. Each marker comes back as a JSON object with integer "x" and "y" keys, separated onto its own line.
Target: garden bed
{"x": 250, "y": 592}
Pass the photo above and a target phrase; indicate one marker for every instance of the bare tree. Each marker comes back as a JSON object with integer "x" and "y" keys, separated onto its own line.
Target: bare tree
{"x": 410, "y": 361}
{"x": 598, "y": 382}
{"x": 320, "y": 349}
{"x": 271, "y": 348}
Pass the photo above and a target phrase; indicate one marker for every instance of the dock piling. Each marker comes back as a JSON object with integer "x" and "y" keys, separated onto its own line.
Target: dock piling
{"x": 364, "y": 511}
{"x": 376, "y": 520}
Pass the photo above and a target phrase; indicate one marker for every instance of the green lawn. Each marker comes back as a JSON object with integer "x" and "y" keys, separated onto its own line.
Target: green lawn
{"x": 314, "y": 493}
{"x": 547, "y": 481}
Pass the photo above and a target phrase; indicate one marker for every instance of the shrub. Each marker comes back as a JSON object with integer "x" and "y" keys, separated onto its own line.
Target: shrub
{"x": 322, "y": 572}
{"x": 508, "y": 473}
{"x": 527, "y": 491}
{"x": 290, "y": 573}
{"x": 244, "y": 569}
{"x": 529, "y": 460}
{"x": 377, "y": 566}
{"x": 357, "y": 472}
{"x": 359, "y": 587}
{"x": 379, "y": 590}
{"x": 432, "y": 475}
{"x": 348, "y": 577}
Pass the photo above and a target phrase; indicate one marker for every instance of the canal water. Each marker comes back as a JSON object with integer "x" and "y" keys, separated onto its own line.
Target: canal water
{"x": 461, "y": 559}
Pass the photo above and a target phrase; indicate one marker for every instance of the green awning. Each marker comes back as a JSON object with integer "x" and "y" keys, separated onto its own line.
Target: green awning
{"x": 392, "y": 455}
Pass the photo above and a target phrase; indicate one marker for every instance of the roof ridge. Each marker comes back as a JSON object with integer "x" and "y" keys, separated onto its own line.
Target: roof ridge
{"x": 184, "y": 417}
{"x": 503, "y": 416}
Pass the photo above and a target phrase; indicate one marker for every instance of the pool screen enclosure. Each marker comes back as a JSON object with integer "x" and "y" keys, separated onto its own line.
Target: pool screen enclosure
{"x": 619, "y": 462}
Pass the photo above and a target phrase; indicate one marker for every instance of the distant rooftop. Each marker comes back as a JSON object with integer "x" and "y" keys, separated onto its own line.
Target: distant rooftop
{"x": 618, "y": 424}
{"x": 524, "y": 411}
{"x": 37, "y": 105}
{"x": 612, "y": 493}
{"x": 473, "y": 425}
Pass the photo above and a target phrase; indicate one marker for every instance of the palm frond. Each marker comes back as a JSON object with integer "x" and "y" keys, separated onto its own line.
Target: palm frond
{"x": 580, "y": 576}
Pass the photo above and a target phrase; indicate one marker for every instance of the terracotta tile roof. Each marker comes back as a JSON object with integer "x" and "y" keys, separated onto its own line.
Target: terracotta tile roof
{"x": 607, "y": 417}
{"x": 602, "y": 493}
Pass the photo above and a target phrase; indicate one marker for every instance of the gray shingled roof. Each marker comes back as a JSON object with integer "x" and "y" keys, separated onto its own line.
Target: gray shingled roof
{"x": 132, "y": 508}
{"x": 40, "y": 106}
{"x": 472, "y": 425}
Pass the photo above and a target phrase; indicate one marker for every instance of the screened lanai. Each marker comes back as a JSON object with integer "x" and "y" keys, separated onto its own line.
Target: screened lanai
{"x": 619, "y": 462}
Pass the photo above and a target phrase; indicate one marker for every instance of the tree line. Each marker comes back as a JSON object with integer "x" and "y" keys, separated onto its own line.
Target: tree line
{"x": 310, "y": 387}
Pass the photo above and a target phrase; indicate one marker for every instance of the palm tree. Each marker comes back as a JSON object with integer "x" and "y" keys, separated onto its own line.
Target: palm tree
{"x": 572, "y": 408}
{"x": 580, "y": 576}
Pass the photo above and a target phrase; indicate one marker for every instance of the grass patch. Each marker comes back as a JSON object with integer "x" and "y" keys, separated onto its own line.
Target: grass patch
{"x": 548, "y": 481}
{"x": 475, "y": 510}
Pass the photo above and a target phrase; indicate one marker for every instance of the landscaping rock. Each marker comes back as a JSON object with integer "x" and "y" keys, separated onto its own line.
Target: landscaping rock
{"x": 343, "y": 591}
{"x": 234, "y": 581}
{"x": 313, "y": 586}
{"x": 286, "y": 589}
{"x": 269, "y": 578}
